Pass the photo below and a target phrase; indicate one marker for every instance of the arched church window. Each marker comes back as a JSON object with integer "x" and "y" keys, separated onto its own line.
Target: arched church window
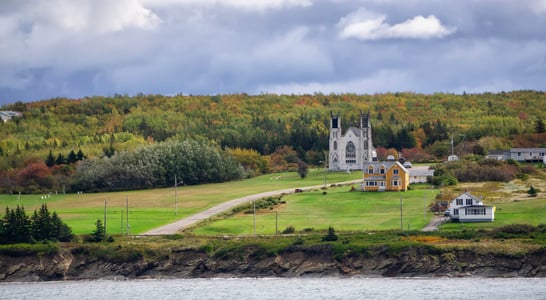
{"x": 350, "y": 150}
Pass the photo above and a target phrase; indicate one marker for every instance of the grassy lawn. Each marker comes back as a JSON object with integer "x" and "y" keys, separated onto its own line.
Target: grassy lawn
{"x": 340, "y": 208}
{"x": 149, "y": 209}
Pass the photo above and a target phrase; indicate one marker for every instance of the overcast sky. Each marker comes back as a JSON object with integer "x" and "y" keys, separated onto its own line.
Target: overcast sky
{"x": 77, "y": 48}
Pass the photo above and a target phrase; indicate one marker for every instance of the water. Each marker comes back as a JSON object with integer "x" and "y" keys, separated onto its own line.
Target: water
{"x": 285, "y": 289}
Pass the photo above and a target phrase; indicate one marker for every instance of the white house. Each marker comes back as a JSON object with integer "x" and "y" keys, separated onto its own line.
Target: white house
{"x": 467, "y": 208}
{"x": 528, "y": 154}
{"x": 8, "y": 115}
{"x": 498, "y": 155}
{"x": 420, "y": 174}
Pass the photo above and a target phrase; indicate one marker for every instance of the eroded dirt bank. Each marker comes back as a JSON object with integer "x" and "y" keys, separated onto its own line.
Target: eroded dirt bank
{"x": 296, "y": 261}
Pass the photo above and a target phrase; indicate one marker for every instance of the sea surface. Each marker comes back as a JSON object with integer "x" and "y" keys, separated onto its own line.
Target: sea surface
{"x": 285, "y": 289}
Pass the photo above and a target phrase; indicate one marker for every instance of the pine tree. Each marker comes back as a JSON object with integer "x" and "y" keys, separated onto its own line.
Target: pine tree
{"x": 99, "y": 233}
{"x": 331, "y": 236}
{"x": 60, "y": 230}
{"x": 60, "y": 159}
{"x": 539, "y": 126}
{"x": 80, "y": 155}
{"x": 71, "y": 157}
{"x": 50, "y": 160}
{"x": 41, "y": 225}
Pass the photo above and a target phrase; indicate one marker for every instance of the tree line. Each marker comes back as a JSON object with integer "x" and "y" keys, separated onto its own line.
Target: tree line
{"x": 17, "y": 227}
{"x": 33, "y": 148}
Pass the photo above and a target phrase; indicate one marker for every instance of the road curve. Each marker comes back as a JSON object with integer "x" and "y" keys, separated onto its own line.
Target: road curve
{"x": 184, "y": 223}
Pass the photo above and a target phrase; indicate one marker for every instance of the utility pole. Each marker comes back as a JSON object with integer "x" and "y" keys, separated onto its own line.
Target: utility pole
{"x": 325, "y": 169}
{"x": 121, "y": 222}
{"x": 401, "y": 226}
{"x": 105, "y": 217}
{"x": 276, "y": 222}
{"x": 254, "y": 209}
{"x": 424, "y": 206}
{"x": 127, "y": 214}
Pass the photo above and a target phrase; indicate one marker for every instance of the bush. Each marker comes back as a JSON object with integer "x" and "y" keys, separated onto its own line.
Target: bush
{"x": 532, "y": 191}
{"x": 289, "y": 230}
{"x": 331, "y": 236}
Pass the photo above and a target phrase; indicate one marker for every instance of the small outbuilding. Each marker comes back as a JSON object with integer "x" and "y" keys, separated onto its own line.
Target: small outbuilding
{"x": 468, "y": 208}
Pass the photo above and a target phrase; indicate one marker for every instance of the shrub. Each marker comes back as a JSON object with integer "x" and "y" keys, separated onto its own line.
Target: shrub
{"x": 532, "y": 191}
{"x": 331, "y": 236}
{"x": 289, "y": 230}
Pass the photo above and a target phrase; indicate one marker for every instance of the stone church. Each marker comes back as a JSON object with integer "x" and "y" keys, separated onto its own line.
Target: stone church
{"x": 352, "y": 149}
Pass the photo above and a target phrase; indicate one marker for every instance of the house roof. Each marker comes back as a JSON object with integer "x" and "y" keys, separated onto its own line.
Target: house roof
{"x": 469, "y": 195}
{"x": 421, "y": 172}
{"x": 387, "y": 164}
{"x": 498, "y": 152}
{"x": 528, "y": 150}
{"x": 471, "y": 206}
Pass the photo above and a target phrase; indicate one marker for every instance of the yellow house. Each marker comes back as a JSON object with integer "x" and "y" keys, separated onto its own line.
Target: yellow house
{"x": 385, "y": 176}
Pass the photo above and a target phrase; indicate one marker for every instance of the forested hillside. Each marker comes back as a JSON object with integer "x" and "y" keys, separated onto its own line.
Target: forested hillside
{"x": 48, "y": 144}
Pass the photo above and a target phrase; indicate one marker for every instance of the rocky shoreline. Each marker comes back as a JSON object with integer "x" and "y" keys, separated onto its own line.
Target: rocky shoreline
{"x": 303, "y": 261}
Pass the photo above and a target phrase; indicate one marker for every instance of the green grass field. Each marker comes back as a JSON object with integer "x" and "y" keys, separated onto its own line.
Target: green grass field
{"x": 149, "y": 209}
{"x": 340, "y": 208}
{"x": 344, "y": 210}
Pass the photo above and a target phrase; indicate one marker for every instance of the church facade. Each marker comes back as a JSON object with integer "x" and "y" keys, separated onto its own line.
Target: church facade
{"x": 351, "y": 149}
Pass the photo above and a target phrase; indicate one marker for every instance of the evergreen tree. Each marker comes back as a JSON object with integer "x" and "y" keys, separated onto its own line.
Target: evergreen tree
{"x": 16, "y": 226}
{"x": 80, "y": 155}
{"x": 331, "y": 236}
{"x": 99, "y": 233}
{"x": 50, "y": 160}
{"x": 60, "y": 159}
{"x": 539, "y": 126}
{"x": 532, "y": 191}
{"x": 72, "y": 158}
{"x": 42, "y": 227}
{"x": 60, "y": 230}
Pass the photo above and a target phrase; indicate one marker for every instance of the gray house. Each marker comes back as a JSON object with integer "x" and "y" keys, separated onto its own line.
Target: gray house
{"x": 528, "y": 154}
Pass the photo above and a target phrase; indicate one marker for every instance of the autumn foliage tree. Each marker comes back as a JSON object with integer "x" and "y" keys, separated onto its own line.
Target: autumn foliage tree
{"x": 35, "y": 177}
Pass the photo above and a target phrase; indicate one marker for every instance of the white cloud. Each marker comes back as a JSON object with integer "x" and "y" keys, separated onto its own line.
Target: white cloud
{"x": 365, "y": 25}
{"x": 538, "y": 6}
{"x": 89, "y": 16}
{"x": 379, "y": 82}
{"x": 258, "y": 5}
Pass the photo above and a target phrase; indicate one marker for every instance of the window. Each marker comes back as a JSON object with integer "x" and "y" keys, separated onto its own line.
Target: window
{"x": 519, "y": 153}
{"x": 382, "y": 170}
{"x": 395, "y": 171}
{"x": 350, "y": 150}
{"x": 395, "y": 182}
{"x": 370, "y": 170}
{"x": 335, "y": 145}
{"x": 459, "y": 201}
{"x": 475, "y": 211}
{"x": 455, "y": 211}
{"x": 382, "y": 183}
{"x": 468, "y": 201}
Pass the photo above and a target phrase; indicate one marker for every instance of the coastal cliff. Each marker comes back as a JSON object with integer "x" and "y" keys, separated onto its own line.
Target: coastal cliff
{"x": 77, "y": 263}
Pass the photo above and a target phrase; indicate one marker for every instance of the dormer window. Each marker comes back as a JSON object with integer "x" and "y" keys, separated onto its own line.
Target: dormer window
{"x": 395, "y": 171}
{"x": 382, "y": 170}
{"x": 370, "y": 170}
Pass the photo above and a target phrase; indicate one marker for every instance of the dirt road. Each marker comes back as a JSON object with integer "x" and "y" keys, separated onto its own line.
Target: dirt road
{"x": 435, "y": 223}
{"x": 198, "y": 217}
